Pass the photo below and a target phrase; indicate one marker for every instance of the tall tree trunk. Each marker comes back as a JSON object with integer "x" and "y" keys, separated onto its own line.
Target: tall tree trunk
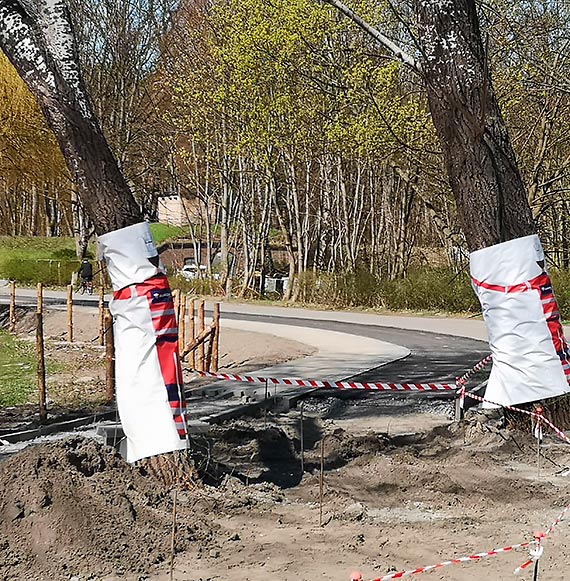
{"x": 492, "y": 200}
{"x": 43, "y": 52}
{"x": 38, "y": 39}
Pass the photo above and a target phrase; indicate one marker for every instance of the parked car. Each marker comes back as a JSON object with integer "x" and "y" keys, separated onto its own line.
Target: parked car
{"x": 191, "y": 271}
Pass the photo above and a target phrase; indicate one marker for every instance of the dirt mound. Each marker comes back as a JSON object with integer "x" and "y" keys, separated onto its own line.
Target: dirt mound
{"x": 76, "y": 507}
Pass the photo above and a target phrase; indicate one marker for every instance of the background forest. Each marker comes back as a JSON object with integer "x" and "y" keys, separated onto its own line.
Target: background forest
{"x": 288, "y": 127}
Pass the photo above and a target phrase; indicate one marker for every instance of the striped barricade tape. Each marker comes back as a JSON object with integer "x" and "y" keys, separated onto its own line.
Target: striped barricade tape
{"x": 539, "y": 417}
{"x": 316, "y": 383}
{"x": 538, "y": 549}
{"x": 470, "y": 558}
{"x": 477, "y": 367}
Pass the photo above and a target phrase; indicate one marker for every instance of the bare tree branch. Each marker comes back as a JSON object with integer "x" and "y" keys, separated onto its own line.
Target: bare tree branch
{"x": 377, "y": 35}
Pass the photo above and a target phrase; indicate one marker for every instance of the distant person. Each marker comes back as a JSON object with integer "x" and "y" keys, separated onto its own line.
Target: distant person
{"x": 85, "y": 273}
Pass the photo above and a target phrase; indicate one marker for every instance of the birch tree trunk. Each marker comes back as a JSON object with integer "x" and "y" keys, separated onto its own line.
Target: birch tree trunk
{"x": 492, "y": 200}
{"x": 38, "y": 39}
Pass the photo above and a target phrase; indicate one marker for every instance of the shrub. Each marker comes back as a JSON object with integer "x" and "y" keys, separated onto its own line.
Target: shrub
{"x": 561, "y": 285}
{"x": 434, "y": 289}
{"x": 47, "y": 271}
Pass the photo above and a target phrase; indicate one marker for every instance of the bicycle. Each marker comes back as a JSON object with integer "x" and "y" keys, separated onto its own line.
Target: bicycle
{"x": 85, "y": 286}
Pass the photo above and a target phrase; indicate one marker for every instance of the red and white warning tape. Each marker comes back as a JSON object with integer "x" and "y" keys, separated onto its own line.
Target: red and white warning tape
{"x": 535, "y": 546}
{"x": 470, "y": 558}
{"x": 477, "y": 367}
{"x": 537, "y": 416}
{"x": 316, "y": 383}
{"x": 536, "y": 552}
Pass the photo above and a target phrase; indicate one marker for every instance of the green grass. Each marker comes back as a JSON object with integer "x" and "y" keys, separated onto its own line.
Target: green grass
{"x": 17, "y": 370}
{"x": 162, "y": 232}
{"x": 29, "y": 259}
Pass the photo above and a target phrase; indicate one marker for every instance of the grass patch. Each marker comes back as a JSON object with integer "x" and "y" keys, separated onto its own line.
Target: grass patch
{"x": 162, "y": 232}
{"x": 52, "y": 260}
{"x": 30, "y": 259}
{"x": 17, "y": 370}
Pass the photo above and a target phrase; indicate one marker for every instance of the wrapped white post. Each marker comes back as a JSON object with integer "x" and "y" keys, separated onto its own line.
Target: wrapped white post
{"x": 149, "y": 386}
{"x": 531, "y": 360}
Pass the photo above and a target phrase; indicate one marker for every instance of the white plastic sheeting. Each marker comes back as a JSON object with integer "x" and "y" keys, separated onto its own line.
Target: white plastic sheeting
{"x": 149, "y": 386}
{"x": 531, "y": 360}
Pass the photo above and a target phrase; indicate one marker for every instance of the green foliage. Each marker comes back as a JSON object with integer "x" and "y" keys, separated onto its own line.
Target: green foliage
{"x": 51, "y": 272}
{"x": 561, "y": 285}
{"x": 198, "y": 286}
{"x": 17, "y": 370}
{"x": 433, "y": 290}
{"x": 348, "y": 289}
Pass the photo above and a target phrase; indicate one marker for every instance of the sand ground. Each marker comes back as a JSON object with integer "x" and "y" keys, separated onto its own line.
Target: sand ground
{"x": 403, "y": 486}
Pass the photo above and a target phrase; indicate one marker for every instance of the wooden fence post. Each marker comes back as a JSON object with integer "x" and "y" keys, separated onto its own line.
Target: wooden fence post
{"x": 102, "y": 314}
{"x": 192, "y": 329}
{"x": 41, "y": 355}
{"x": 182, "y": 323}
{"x": 109, "y": 358}
{"x": 215, "y": 340}
{"x": 176, "y": 301}
{"x": 13, "y": 306}
{"x": 201, "y": 326}
{"x": 69, "y": 313}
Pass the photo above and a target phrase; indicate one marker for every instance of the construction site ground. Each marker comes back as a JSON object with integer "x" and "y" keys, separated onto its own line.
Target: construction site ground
{"x": 404, "y": 486}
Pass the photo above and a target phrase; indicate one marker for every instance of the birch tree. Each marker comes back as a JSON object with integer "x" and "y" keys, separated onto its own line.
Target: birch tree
{"x": 37, "y": 36}
{"x": 491, "y": 198}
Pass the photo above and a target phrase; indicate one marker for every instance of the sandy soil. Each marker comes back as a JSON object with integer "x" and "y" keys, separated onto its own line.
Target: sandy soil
{"x": 403, "y": 486}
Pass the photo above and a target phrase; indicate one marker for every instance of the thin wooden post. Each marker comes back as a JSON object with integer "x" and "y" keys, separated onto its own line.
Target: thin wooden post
{"x": 69, "y": 313}
{"x": 41, "y": 355}
{"x": 208, "y": 358}
{"x": 216, "y": 338}
{"x": 13, "y": 306}
{"x": 102, "y": 273}
{"x": 301, "y": 409}
{"x": 173, "y": 534}
{"x": 182, "y": 323}
{"x": 102, "y": 314}
{"x": 201, "y": 326}
{"x": 192, "y": 329}
{"x": 109, "y": 358}
{"x": 176, "y": 301}
{"x": 321, "y": 481}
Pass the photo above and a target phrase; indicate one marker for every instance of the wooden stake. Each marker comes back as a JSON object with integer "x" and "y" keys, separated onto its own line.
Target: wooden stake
{"x": 69, "y": 313}
{"x": 102, "y": 314}
{"x": 182, "y": 323}
{"x": 176, "y": 301}
{"x": 201, "y": 324}
{"x": 173, "y": 534}
{"x": 216, "y": 338}
{"x": 41, "y": 355}
{"x": 321, "y": 481}
{"x": 208, "y": 358}
{"x": 199, "y": 340}
{"x": 13, "y": 306}
{"x": 109, "y": 358}
{"x": 301, "y": 409}
{"x": 191, "y": 308}
{"x": 102, "y": 273}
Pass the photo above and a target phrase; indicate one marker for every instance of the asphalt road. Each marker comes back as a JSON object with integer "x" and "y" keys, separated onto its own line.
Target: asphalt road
{"x": 435, "y": 357}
